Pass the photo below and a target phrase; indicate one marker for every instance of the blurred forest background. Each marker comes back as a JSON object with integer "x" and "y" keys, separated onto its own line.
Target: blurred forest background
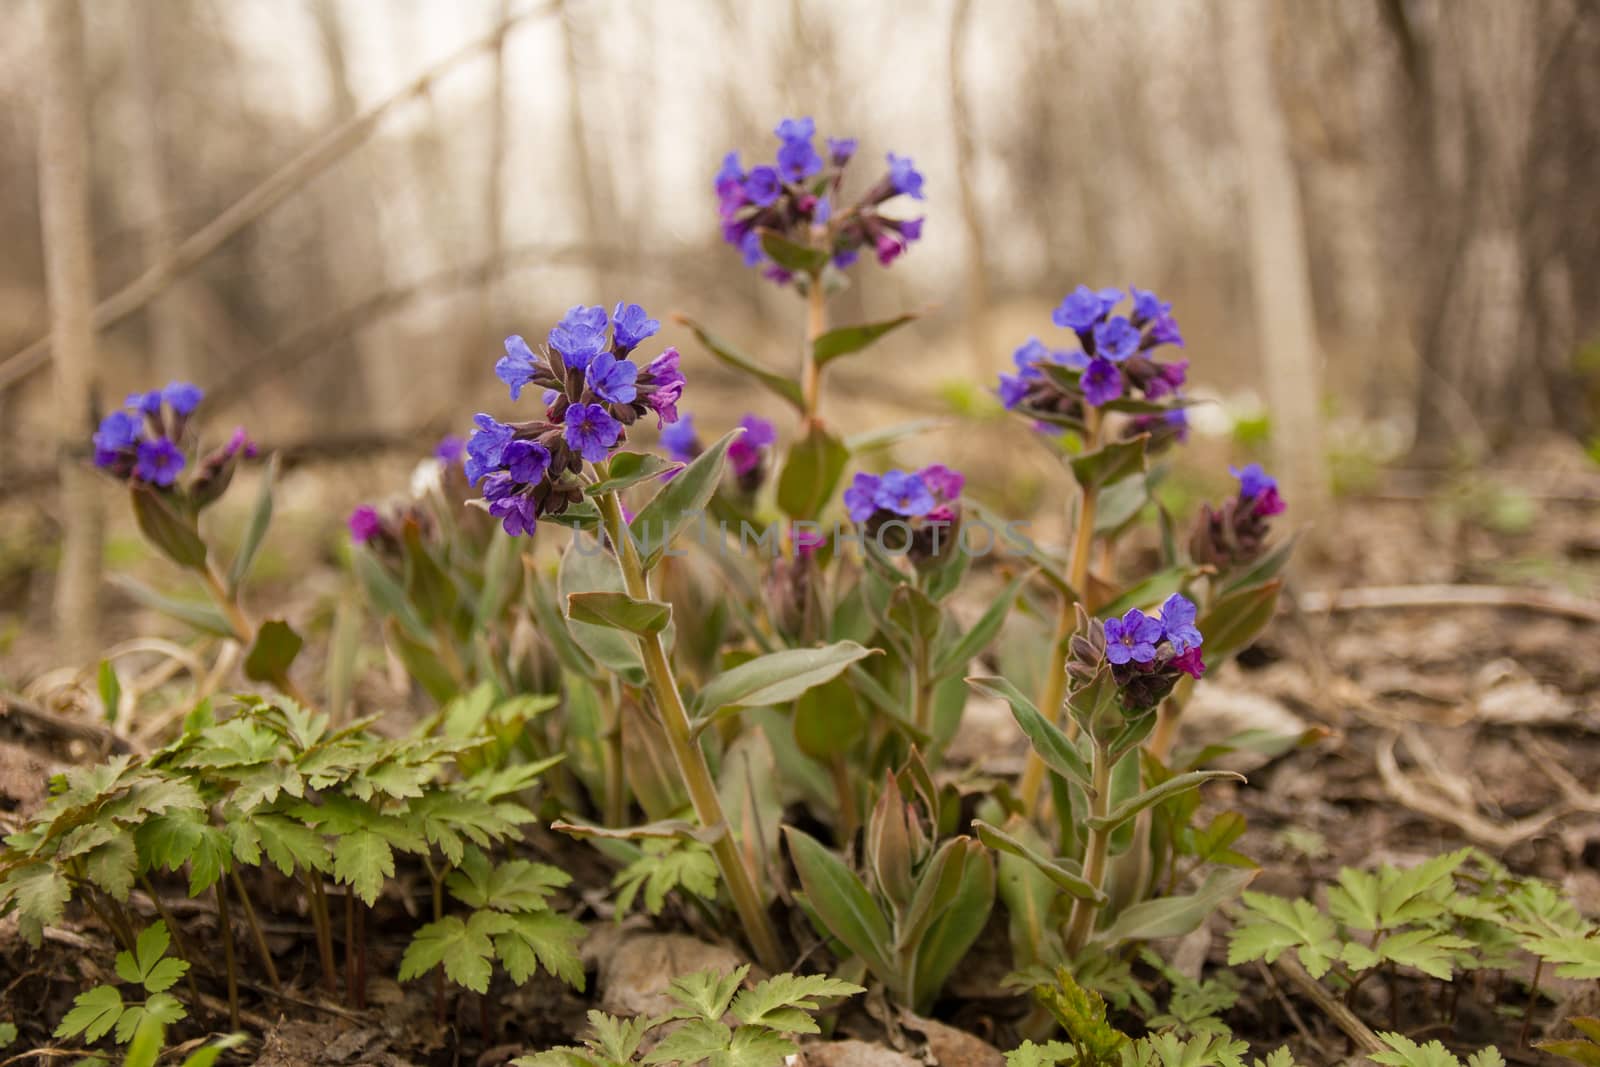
{"x": 1376, "y": 216}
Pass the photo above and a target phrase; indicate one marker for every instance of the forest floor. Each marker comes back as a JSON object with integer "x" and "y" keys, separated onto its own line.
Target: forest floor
{"x": 1445, "y": 724}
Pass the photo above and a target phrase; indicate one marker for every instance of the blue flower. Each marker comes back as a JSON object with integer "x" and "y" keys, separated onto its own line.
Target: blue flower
{"x": 526, "y": 461}
{"x": 1177, "y": 621}
{"x": 798, "y": 160}
{"x": 1028, "y": 356}
{"x": 450, "y": 449}
{"x": 612, "y": 378}
{"x": 1147, "y": 307}
{"x": 731, "y": 174}
{"x": 518, "y": 513}
{"x": 662, "y": 384}
{"x": 183, "y": 397}
{"x": 118, "y": 430}
{"x": 750, "y": 247}
{"x": 801, "y": 129}
{"x": 631, "y": 325}
{"x": 904, "y": 494}
{"x": 580, "y": 335}
{"x": 911, "y": 229}
{"x": 680, "y": 440}
{"x": 861, "y": 499}
{"x": 518, "y": 366}
{"x": 1164, "y": 331}
{"x": 845, "y": 258}
{"x": 840, "y": 149}
{"x": 1080, "y": 310}
{"x": 822, "y": 212}
{"x": 904, "y": 176}
{"x": 159, "y": 462}
{"x": 1102, "y": 382}
{"x": 1253, "y": 480}
{"x": 1116, "y": 340}
{"x": 486, "y": 446}
{"x": 591, "y": 431}
{"x": 1013, "y": 387}
{"x": 763, "y": 187}
{"x": 1132, "y": 637}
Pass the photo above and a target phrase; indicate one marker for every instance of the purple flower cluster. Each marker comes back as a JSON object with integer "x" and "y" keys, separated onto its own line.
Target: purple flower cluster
{"x": 1115, "y": 358}
{"x": 797, "y": 197}
{"x": 748, "y": 453}
{"x": 140, "y": 442}
{"x": 1147, "y": 653}
{"x": 924, "y": 507}
{"x": 593, "y": 392}
{"x": 1236, "y": 532}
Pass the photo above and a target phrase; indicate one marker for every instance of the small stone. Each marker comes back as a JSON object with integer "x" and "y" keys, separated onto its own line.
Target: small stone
{"x": 635, "y": 976}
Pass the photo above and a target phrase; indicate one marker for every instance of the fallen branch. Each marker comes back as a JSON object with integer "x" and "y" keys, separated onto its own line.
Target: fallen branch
{"x": 273, "y": 190}
{"x": 1331, "y": 1006}
{"x": 1380, "y": 597}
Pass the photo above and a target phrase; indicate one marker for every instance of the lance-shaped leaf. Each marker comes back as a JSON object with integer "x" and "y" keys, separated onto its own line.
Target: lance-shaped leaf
{"x": 888, "y": 435}
{"x": 1070, "y": 881}
{"x": 936, "y": 889}
{"x": 1047, "y": 739}
{"x": 664, "y": 830}
{"x": 619, "y": 611}
{"x": 776, "y": 678}
{"x": 791, "y": 256}
{"x": 1152, "y": 590}
{"x": 840, "y": 902}
{"x": 1110, "y": 463}
{"x": 1011, "y": 538}
{"x": 678, "y": 503}
{"x": 847, "y": 340}
{"x": 1262, "y": 570}
{"x": 1151, "y": 797}
{"x": 421, "y": 662}
{"x": 1237, "y": 619}
{"x": 427, "y": 585}
{"x": 1151, "y": 920}
{"x": 586, "y": 568}
{"x": 629, "y": 468}
{"x": 580, "y": 516}
{"x": 386, "y": 594}
{"x": 953, "y": 933}
{"x": 275, "y": 647}
{"x": 975, "y": 640}
{"x": 811, "y": 473}
{"x": 166, "y": 527}
{"x": 255, "y": 529}
{"x": 828, "y": 720}
{"x": 727, "y": 353}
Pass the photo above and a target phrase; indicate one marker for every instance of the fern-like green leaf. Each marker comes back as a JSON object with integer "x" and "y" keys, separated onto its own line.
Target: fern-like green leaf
{"x": 784, "y": 1003}
{"x": 94, "y": 1012}
{"x": 542, "y": 939}
{"x": 1270, "y": 926}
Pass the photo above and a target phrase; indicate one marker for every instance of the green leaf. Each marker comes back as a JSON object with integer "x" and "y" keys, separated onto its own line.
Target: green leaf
{"x": 427, "y": 585}
{"x": 956, "y": 657}
{"x": 542, "y": 940}
{"x": 145, "y": 965}
{"x": 847, "y": 340}
{"x": 695, "y": 1042}
{"x": 1150, "y": 797}
{"x": 1272, "y": 925}
{"x": 386, "y": 594}
{"x": 362, "y": 859}
{"x": 791, "y": 256}
{"x": 619, "y": 611}
{"x": 679, "y": 502}
{"x": 275, "y": 648}
{"x": 111, "y": 866}
{"x": 955, "y": 930}
{"x": 1110, "y": 463}
{"x": 202, "y": 616}
{"x": 726, "y": 353}
{"x": 255, "y": 529}
{"x": 785, "y": 1002}
{"x": 110, "y": 689}
{"x": 94, "y": 1012}
{"x": 463, "y": 948}
{"x": 40, "y": 892}
{"x": 1236, "y": 619}
{"x": 585, "y": 568}
{"x": 1071, "y": 881}
{"x": 516, "y": 885}
{"x": 1048, "y": 1054}
{"x": 811, "y": 472}
{"x": 155, "y": 1014}
{"x": 1151, "y": 591}
{"x": 840, "y": 902}
{"x": 629, "y": 468}
{"x": 888, "y": 435}
{"x": 775, "y": 678}
{"x": 663, "y": 866}
{"x": 1058, "y": 751}
{"x": 707, "y": 994}
{"x": 207, "y": 1056}
{"x": 828, "y": 720}
{"x": 290, "y": 845}
{"x": 171, "y": 532}
{"x": 1163, "y": 917}
{"x": 1576, "y": 956}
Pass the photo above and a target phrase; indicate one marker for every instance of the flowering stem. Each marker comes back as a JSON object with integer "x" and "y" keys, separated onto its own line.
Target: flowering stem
{"x": 1055, "y": 681}
{"x": 690, "y": 759}
{"x": 1081, "y": 924}
{"x": 816, "y": 326}
{"x": 921, "y": 698}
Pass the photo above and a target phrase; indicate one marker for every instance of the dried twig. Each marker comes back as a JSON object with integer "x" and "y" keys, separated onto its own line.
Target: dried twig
{"x": 1441, "y": 596}
{"x": 1494, "y": 835}
{"x": 1331, "y": 1006}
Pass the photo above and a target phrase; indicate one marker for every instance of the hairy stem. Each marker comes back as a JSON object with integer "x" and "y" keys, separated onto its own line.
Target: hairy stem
{"x": 225, "y": 927}
{"x": 1054, "y": 689}
{"x": 690, "y": 760}
{"x": 616, "y": 783}
{"x": 1081, "y": 924}
{"x": 816, "y": 326}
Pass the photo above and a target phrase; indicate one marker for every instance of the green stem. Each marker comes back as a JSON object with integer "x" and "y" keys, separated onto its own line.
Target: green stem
{"x": 243, "y": 631}
{"x": 691, "y": 761}
{"x": 616, "y": 783}
{"x": 1054, "y": 690}
{"x": 816, "y": 326}
{"x": 921, "y": 696}
{"x": 1081, "y": 924}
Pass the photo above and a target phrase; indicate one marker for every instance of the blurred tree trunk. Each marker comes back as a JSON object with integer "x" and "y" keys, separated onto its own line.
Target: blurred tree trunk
{"x": 168, "y": 314}
{"x": 1280, "y": 280}
{"x": 69, "y": 276}
{"x": 591, "y": 197}
{"x": 977, "y": 272}
{"x": 1501, "y": 102}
